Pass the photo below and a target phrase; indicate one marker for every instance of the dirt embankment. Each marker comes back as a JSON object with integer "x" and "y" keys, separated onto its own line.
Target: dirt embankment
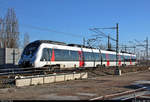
{"x": 78, "y": 89}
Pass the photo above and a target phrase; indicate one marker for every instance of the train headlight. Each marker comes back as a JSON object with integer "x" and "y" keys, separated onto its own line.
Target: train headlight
{"x": 32, "y": 64}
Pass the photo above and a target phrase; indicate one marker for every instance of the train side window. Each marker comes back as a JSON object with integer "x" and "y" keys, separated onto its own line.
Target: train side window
{"x": 114, "y": 57}
{"x": 133, "y": 58}
{"x": 103, "y": 57}
{"x": 75, "y": 56}
{"x": 69, "y": 55}
{"x": 122, "y": 58}
{"x": 61, "y": 55}
{"x": 45, "y": 55}
{"x": 97, "y": 56}
{"x": 65, "y": 55}
{"x": 87, "y": 56}
{"x": 91, "y": 57}
{"x": 58, "y": 54}
{"x": 111, "y": 57}
{"x": 127, "y": 58}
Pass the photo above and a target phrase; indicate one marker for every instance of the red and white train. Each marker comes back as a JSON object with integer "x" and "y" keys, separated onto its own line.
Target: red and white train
{"x": 42, "y": 53}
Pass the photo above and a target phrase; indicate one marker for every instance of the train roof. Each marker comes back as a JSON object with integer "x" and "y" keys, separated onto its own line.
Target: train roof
{"x": 38, "y": 42}
{"x": 49, "y": 41}
{"x": 59, "y": 43}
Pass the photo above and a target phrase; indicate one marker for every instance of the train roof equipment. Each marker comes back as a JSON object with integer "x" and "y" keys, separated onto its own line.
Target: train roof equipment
{"x": 50, "y": 42}
{"x": 78, "y": 45}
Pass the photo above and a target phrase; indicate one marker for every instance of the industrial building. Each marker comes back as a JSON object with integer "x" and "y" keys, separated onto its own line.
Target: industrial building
{"x": 9, "y": 57}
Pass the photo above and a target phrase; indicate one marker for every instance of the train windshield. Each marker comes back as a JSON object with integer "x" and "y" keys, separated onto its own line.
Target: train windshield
{"x": 30, "y": 49}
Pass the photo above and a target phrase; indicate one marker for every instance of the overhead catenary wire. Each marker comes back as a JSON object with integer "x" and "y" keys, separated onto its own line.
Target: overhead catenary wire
{"x": 96, "y": 30}
{"x": 51, "y": 30}
{"x": 48, "y": 29}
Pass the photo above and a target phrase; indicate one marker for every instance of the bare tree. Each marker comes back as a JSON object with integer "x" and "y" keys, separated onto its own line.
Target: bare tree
{"x": 2, "y": 32}
{"x": 1, "y": 38}
{"x": 26, "y": 39}
{"x": 10, "y": 34}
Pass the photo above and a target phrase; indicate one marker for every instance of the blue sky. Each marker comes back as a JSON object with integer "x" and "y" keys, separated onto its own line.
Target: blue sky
{"x": 75, "y": 17}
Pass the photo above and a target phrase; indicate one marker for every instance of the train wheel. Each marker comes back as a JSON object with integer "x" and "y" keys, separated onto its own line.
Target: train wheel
{"x": 104, "y": 66}
{"x": 98, "y": 66}
{"x": 123, "y": 65}
{"x": 55, "y": 68}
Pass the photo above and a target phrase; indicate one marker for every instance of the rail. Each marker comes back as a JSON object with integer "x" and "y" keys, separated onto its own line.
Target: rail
{"x": 118, "y": 94}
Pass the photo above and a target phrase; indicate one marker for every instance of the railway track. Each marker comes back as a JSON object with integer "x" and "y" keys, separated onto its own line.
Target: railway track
{"x": 7, "y": 75}
{"x": 123, "y": 95}
{"x": 33, "y": 71}
{"x": 46, "y": 70}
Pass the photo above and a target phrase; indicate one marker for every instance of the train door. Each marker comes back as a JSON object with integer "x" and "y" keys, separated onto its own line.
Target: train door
{"x": 123, "y": 58}
{"x": 119, "y": 63}
{"x": 46, "y": 57}
{"x": 107, "y": 58}
{"x": 51, "y": 56}
{"x": 101, "y": 61}
{"x": 93, "y": 58}
{"x": 130, "y": 59}
{"x": 81, "y": 59}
